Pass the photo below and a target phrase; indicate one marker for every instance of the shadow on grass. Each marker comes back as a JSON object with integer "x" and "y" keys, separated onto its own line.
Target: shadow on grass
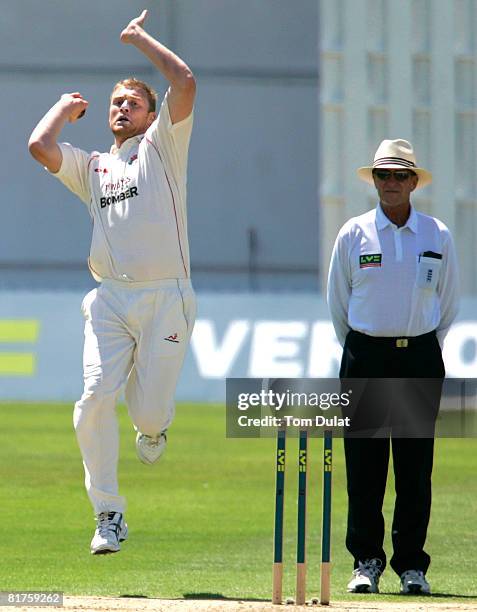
{"x": 219, "y": 596}
{"x": 205, "y": 596}
{"x": 431, "y": 596}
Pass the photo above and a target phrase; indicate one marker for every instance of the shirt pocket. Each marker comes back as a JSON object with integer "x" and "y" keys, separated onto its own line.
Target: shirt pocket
{"x": 428, "y": 272}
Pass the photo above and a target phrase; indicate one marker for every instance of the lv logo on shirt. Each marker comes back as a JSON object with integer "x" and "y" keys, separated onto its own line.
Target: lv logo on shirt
{"x": 370, "y": 261}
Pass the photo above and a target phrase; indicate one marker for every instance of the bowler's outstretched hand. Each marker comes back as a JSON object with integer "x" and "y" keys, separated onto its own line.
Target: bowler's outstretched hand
{"x": 181, "y": 80}
{"x": 133, "y": 28}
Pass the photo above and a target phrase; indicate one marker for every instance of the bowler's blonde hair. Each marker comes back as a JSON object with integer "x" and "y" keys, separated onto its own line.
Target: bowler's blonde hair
{"x": 133, "y": 83}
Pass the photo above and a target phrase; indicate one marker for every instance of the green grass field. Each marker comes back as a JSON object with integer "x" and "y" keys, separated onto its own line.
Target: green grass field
{"x": 201, "y": 521}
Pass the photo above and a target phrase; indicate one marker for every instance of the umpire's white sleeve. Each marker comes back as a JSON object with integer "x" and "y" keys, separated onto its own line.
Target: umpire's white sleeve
{"x": 339, "y": 288}
{"x": 448, "y": 287}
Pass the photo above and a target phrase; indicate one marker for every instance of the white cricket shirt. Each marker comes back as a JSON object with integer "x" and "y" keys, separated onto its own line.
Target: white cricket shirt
{"x": 389, "y": 281}
{"x": 136, "y": 196}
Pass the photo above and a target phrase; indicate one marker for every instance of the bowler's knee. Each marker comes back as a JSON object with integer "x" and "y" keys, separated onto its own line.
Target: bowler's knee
{"x": 92, "y": 403}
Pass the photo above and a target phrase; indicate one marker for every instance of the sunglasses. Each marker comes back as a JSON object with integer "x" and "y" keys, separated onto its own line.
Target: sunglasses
{"x": 400, "y": 175}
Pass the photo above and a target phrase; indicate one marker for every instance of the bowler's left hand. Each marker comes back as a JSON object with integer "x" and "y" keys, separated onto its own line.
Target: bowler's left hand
{"x": 134, "y": 27}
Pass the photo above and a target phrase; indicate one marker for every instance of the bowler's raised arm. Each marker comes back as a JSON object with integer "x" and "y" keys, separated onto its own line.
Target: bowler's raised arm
{"x": 175, "y": 71}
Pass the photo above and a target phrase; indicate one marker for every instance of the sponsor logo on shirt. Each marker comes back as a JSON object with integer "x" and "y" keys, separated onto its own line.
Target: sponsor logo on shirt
{"x": 118, "y": 197}
{"x": 132, "y": 159}
{"x": 120, "y": 185}
{"x": 370, "y": 261}
{"x": 172, "y": 338}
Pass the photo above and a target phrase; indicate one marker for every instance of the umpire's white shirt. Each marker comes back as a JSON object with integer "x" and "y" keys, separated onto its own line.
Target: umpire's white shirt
{"x": 136, "y": 196}
{"x": 379, "y": 282}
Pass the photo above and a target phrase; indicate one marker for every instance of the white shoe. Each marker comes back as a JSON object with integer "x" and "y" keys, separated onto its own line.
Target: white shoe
{"x": 149, "y": 449}
{"x": 110, "y": 531}
{"x": 366, "y": 577}
{"x": 413, "y": 582}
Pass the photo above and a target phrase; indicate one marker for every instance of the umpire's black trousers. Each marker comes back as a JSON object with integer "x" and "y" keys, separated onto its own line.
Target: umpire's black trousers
{"x": 367, "y": 459}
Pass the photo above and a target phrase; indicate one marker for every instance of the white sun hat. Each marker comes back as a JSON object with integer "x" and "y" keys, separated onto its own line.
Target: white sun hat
{"x": 395, "y": 155}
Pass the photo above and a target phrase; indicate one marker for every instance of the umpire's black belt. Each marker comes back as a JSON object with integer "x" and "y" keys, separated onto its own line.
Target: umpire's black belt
{"x": 397, "y": 342}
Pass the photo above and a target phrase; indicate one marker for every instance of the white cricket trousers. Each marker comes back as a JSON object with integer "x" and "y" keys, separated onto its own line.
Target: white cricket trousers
{"x": 136, "y": 336}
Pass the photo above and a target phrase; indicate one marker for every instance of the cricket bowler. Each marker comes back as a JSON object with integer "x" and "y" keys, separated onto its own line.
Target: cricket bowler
{"x": 139, "y": 320}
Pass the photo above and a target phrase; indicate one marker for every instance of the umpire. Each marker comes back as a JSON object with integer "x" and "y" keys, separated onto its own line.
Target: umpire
{"x": 392, "y": 295}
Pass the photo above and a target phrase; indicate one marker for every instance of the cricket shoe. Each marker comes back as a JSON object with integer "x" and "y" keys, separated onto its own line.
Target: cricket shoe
{"x": 110, "y": 531}
{"x": 413, "y": 582}
{"x": 149, "y": 449}
{"x": 366, "y": 577}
